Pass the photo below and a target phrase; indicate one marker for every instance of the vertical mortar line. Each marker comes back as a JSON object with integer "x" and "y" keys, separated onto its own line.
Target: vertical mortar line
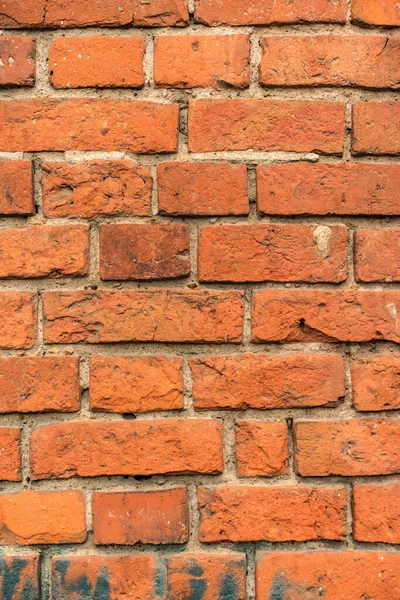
{"x": 251, "y": 557}
{"x": 350, "y": 539}
{"x": 94, "y": 245}
{"x": 194, "y": 515}
{"x": 37, "y": 185}
{"x": 248, "y": 295}
{"x": 255, "y": 38}
{"x": 148, "y": 60}
{"x": 183, "y": 132}
{"x": 188, "y": 388}
{"x": 45, "y": 574}
{"x": 291, "y": 469}
{"x": 88, "y": 495}
{"x": 252, "y": 185}
{"x": 194, "y": 250}
{"x": 154, "y": 190}
{"x": 347, "y": 155}
{"x": 84, "y": 387}
{"x": 191, "y": 9}
{"x": 43, "y": 43}
{"x": 229, "y": 447}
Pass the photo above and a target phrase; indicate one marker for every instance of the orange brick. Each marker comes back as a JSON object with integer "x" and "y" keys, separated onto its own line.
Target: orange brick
{"x": 376, "y": 255}
{"x": 262, "y": 448}
{"x": 130, "y": 385}
{"x": 376, "y": 513}
{"x": 16, "y": 188}
{"x": 98, "y": 61}
{"x": 376, "y": 382}
{"x": 161, "y": 13}
{"x": 371, "y": 134}
{"x": 17, "y": 61}
{"x": 19, "y": 574}
{"x": 376, "y": 12}
{"x": 10, "y": 455}
{"x": 18, "y": 320}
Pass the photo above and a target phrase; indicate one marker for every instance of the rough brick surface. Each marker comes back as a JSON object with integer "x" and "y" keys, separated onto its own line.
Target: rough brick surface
{"x": 371, "y": 12}
{"x": 371, "y": 134}
{"x": 376, "y": 382}
{"x": 376, "y": 513}
{"x": 17, "y": 61}
{"x": 19, "y": 577}
{"x": 161, "y": 13}
{"x": 261, "y": 449}
{"x": 377, "y": 255}
{"x": 18, "y": 319}
{"x": 10, "y": 454}
{"x": 16, "y": 188}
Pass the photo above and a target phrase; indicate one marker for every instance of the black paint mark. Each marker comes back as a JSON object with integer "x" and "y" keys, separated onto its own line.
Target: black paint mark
{"x": 11, "y": 577}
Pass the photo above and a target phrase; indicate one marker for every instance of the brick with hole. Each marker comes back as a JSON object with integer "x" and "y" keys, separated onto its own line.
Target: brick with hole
{"x": 42, "y": 517}
{"x": 136, "y": 385}
{"x": 147, "y": 517}
{"x": 10, "y": 454}
{"x": 325, "y": 316}
{"x": 275, "y": 514}
{"x": 376, "y": 12}
{"x": 161, "y": 13}
{"x": 246, "y": 253}
{"x": 376, "y": 382}
{"x": 96, "y": 188}
{"x": 190, "y": 61}
{"x": 331, "y": 60}
{"x": 44, "y": 251}
{"x": 144, "y": 252}
{"x": 79, "y": 62}
{"x": 262, "y": 448}
{"x": 16, "y": 188}
{"x": 351, "y": 188}
{"x": 202, "y": 189}
{"x": 371, "y": 134}
{"x": 328, "y": 575}
{"x": 376, "y": 513}
{"x": 17, "y": 61}
{"x": 164, "y": 315}
{"x": 352, "y": 447}
{"x": 18, "y": 320}
{"x": 88, "y": 124}
{"x": 39, "y": 384}
{"x": 19, "y": 576}
{"x": 376, "y": 255}
{"x": 267, "y": 125}
{"x": 155, "y": 447}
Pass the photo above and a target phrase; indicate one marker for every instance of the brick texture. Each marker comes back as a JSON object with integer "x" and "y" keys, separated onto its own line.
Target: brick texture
{"x": 200, "y": 302}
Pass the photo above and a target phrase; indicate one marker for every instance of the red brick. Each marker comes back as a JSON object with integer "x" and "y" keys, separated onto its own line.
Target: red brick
{"x": 10, "y": 455}
{"x": 88, "y": 124}
{"x": 149, "y": 576}
{"x": 321, "y": 316}
{"x": 139, "y": 384}
{"x": 371, "y": 132}
{"x": 376, "y": 12}
{"x": 19, "y": 574}
{"x": 376, "y": 382}
{"x": 351, "y": 188}
{"x": 39, "y": 383}
{"x": 144, "y": 251}
{"x": 17, "y": 61}
{"x": 16, "y": 188}
{"x": 189, "y": 61}
{"x": 98, "y": 61}
{"x": 32, "y": 517}
{"x": 261, "y": 124}
{"x": 44, "y": 251}
{"x": 143, "y": 315}
{"x": 158, "y": 517}
{"x": 330, "y": 575}
{"x": 262, "y": 448}
{"x": 161, "y": 13}
{"x": 376, "y": 513}
{"x": 289, "y": 381}
{"x": 241, "y": 253}
{"x": 376, "y": 255}
{"x": 275, "y": 514}
{"x": 336, "y": 60}
{"x": 91, "y": 449}
{"x": 96, "y": 188}
{"x": 259, "y": 12}
{"x": 18, "y": 320}
{"x": 202, "y": 189}
{"x": 350, "y": 448}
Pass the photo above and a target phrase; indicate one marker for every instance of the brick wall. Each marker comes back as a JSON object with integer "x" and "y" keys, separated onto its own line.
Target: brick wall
{"x": 199, "y": 306}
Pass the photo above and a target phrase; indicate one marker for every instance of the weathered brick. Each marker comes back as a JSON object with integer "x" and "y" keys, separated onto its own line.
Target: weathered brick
{"x": 376, "y": 513}
{"x": 241, "y": 253}
{"x": 371, "y": 133}
{"x": 17, "y": 61}
{"x": 96, "y": 188}
{"x": 19, "y": 576}
{"x": 330, "y": 575}
{"x": 376, "y": 382}
{"x": 316, "y": 315}
{"x": 189, "y": 61}
{"x": 144, "y": 251}
{"x": 336, "y": 60}
{"x": 90, "y": 449}
{"x": 376, "y": 12}
{"x": 16, "y": 188}
{"x": 39, "y": 383}
{"x": 79, "y": 62}
{"x": 139, "y": 384}
{"x": 151, "y": 517}
{"x": 161, "y": 13}
{"x": 262, "y": 448}
{"x": 18, "y": 320}
{"x": 260, "y": 12}
{"x": 44, "y": 251}
{"x": 202, "y": 189}
{"x": 290, "y": 381}
{"x": 33, "y": 517}
{"x": 347, "y": 188}
{"x": 10, "y": 455}
{"x": 88, "y": 124}
{"x": 350, "y": 448}
{"x": 143, "y": 315}
{"x": 276, "y": 514}
{"x": 262, "y": 124}
{"x": 376, "y": 255}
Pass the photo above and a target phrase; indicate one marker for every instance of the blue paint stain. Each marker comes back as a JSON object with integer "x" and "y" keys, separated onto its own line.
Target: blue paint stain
{"x": 161, "y": 579}
{"x": 11, "y": 577}
{"x": 83, "y": 587}
{"x": 102, "y": 591}
{"x": 229, "y": 589}
{"x": 29, "y": 591}
{"x": 278, "y": 588}
{"x": 195, "y": 570}
{"x": 197, "y": 589}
